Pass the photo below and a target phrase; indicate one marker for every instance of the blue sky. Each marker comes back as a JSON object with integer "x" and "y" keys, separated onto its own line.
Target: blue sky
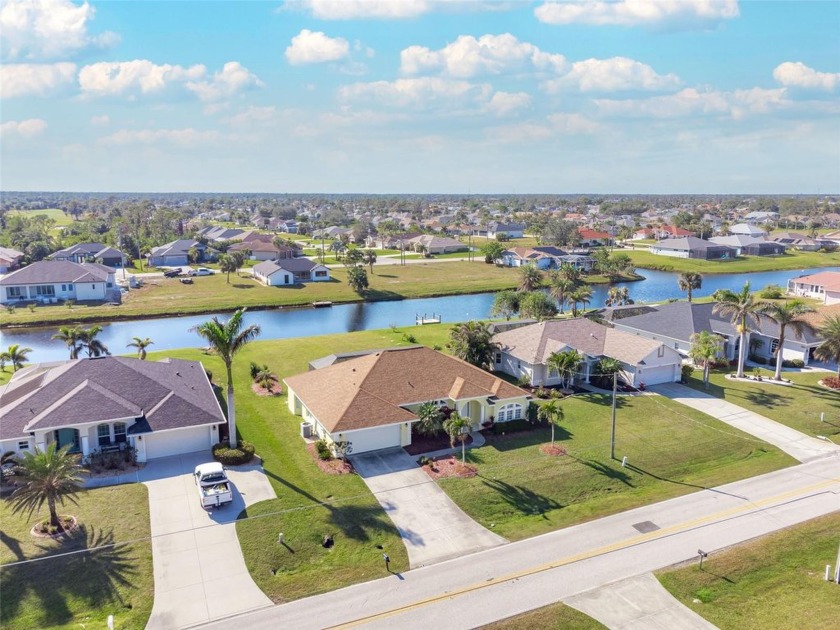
{"x": 421, "y": 96}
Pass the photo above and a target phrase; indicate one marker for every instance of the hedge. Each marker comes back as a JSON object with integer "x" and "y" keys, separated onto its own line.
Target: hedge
{"x": 243, "y": 454}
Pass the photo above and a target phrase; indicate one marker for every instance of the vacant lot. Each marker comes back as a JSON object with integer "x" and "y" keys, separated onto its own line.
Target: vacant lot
{"x": 744, "y": 264}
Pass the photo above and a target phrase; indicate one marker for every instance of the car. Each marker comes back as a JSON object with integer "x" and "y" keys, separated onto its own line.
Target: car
{"x": 201, "y": 271}
{"x": 214, "y": 487}
{"x": 172, "y": 273}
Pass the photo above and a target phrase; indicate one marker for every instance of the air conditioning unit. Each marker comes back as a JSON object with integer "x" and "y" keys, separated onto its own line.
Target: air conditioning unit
{"x": 306, "y": 429}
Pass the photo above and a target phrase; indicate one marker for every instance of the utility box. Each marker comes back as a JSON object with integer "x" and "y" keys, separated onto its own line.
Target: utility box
{"x": 306, "y": 429}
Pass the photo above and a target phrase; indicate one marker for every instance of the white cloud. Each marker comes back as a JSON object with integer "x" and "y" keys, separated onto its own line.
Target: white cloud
{"x": 47, "y": 29}
{"x": 638, "y": 12}
{"x": 693, "y": 102}
{"x": 100, "y": 121}
{"x": 611, "y": 75}
{"x": 569, "y": 124}
{"x": 253, "y": 115}
{"x": 417, "y": 93}
{"x": 468, "y": 56}
{"x": 504, "y": 103}
{"x": 233, "y": 78}
{"x": 117, "y": 77}
{"x": 23, "y": 79}
{"x": 188, "y": 137}
{"x": 353, "y": 9}
{"x": 797, "y": 74}
{"x": 25, "y": 128}
{"x": 316, "y": 47}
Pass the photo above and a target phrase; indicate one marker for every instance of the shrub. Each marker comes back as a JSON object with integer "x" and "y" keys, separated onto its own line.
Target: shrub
{"x": 793, "y": 363}
{"x": 242, "y": 454}
{"x": 541, "y": 392}
{"x": 686, "y": 371}
{"x": 408, "y": 338}
{"x": 759, "y": 360}
{"x": 69, "y": 303}
{"x": 323, "y": 449}
{"x": 423, "y": 461}
{"x": 512, "y": 426}
{"x": 524, "y": 381}
{"x": 253, "y": 370}
{"x": 772, "y": 292}
{"x": 555, "y": 393}
{"x": 31, "y": 307}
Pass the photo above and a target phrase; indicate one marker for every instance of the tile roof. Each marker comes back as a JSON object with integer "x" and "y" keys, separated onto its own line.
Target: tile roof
{"x": 829, "y": 280}
{"x": 52, "y": 271}
{"x": 370, "y": 391}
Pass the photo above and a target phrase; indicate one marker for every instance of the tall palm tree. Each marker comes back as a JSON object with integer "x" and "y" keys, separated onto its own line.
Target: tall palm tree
{"x": 227, "y": 265}
{"x": 90, "y": 344}
{"x": 560, "y": 286}
{"x": 742, "y": 309}
{"x": 530, "y": 278}
{"x": 226, "y": 339}
{"x": 566, "y": 364}
{"x": 829, "y": 332}
{"x": 583, "y": 295}
{"x": 784, "y": 315}
{"x": 71, "y": 336}
{"x": 689, "y": 281}
{"x": 141, "y": 345}
{"x": 16, "y": 355}
{"x": 458, "y": 428}
{"x": 705, "y": 347}
{"x": 552, "y": 413}
{"x": 570, "y": 272}
{"x": 50, "y": 477}
{"x": 472, "y": 342}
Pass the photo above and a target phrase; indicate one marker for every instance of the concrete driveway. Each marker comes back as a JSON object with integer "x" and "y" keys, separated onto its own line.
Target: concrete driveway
{"x": 432, "y": 527}
{"x": 200, "y": 573}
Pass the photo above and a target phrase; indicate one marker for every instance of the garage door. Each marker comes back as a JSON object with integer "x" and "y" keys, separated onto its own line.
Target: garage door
{"x": 657, "y": 375}
{"x": 374, "y": 439}
{"x": 177, "y": 442}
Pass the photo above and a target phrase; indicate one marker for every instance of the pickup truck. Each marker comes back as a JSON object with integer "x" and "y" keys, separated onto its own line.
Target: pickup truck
{"x": 214, "y": 488}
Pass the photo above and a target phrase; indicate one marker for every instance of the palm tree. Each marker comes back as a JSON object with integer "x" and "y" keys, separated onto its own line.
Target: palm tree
{"x": 89, "y": 343}
{"x": 742, "y": 308}
{"x": 529, "y": 278}
{"x": 560, "y": 287}
{"x": 265, "y": 379}
{"x": 141, "y": 345}
{"x": 429, "y": 419}
{"x": 458, "y": 428}
{"x": 705, "y": 347}
{"x": 829, "y": 350}
{"x": 608, "y": 366}
{"x": 227, "y": 264}
{"x": 583, "y": 295}
{"x": 570, "y": 272}
{"x": 472, "y": 342}
{"x": 552, "y": 413}
{"x": 689, "y": 281}
{"x": 16, "y": 355}
{"x": 226, "y": 339}
{"x": 49, "y": 477}
{"x": 70, "y": 335}
{"x": 566, "y": 364}
{"x": 370, "y": 258}
{"x": 783, "y": 315}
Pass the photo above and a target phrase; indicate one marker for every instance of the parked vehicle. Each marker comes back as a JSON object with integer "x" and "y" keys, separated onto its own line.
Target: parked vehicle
{"x": 186, "y": 280}
{"x": 172, "y": 273}
{"x": 201, "y": 271}
{"x": 214, "y": 488}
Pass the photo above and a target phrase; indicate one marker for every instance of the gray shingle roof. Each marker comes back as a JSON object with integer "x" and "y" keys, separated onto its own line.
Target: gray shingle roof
{"x": 294, "y": 265}
{"x": 680, "y": 320}
{"x": 52, "y": 271}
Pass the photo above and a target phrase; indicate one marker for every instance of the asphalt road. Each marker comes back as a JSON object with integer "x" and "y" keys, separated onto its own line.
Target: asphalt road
{"x": 507, "y": 580}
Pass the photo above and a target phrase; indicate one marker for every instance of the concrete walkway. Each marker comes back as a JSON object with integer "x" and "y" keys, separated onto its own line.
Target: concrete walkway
{"x": 432, "y": 527}
{"x": 199, "y": 570}
{"x": 640, "y": 603}
{"x": 796, "y": 444}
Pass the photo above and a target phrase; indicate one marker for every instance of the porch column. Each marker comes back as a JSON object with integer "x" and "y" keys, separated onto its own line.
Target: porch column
{"x": 84, "y": 439}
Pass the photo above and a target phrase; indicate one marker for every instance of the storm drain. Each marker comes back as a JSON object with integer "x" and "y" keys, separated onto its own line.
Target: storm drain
{"x": 645, "y": 527}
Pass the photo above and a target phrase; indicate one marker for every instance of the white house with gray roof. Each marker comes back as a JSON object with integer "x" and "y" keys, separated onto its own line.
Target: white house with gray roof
{"x": 290, "y": 271}
{"x": 51, "y": 281}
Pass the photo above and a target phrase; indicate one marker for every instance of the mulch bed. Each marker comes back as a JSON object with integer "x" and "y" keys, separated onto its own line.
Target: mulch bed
{"x": 68, "y": 524}
{"x": 330, "y": 466}
{"x": 426, "y": 444}
{"x": 259, "y": 390}
{"x": 449, "y": 467}
{"x": 555, "y": 450}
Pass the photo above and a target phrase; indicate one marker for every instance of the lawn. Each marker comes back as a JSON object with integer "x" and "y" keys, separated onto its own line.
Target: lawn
{"x": 671, "y": 450}
{"x": 798, "y": 406}
{"x": 554, "y": 617}
{"x": 61, "y": 218}
{"x": 644, "y": 259}
{"x": 82, "y": 589}
{"x": 775, "y": 581}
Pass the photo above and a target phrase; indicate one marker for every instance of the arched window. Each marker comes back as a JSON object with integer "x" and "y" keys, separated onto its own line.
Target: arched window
{"x": 511, "y": 411}
{"x": 103, "y": 433}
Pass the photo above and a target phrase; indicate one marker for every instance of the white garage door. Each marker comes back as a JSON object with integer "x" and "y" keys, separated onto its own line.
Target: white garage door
{"x": 177, "y": 442}
{"x": 374, "y": 439}
{"x": 657, "y": 375}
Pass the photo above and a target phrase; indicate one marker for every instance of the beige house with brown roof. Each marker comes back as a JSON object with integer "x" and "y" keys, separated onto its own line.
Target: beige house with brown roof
{"x": 371, "y": 401}
{"x": 524, "y": 351}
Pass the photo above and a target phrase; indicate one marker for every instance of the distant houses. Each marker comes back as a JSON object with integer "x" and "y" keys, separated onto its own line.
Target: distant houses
{"x": 91, "y": 252}
{"x": 9, "y": 259}
{"x": 750, "y": 245}
{"x": 544, "y": 257}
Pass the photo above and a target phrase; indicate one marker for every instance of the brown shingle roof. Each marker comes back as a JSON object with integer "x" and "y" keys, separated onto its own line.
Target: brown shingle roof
{"x": 371, "y": 391}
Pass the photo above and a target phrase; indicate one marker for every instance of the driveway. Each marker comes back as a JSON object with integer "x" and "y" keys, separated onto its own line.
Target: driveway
{"x": 200, "y": 573}
{"x": 432, "y": 527}
{"x": 794, "y": 443}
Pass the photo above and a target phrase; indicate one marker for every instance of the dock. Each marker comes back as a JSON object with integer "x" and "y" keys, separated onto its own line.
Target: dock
{"x": 321, "y": 304}
{"x": 420, "y": 320}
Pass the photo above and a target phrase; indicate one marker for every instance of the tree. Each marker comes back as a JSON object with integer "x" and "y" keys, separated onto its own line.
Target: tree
{"x": 566, "y": 364}
{"x": 141, "y": 345}
{"x": 505, "y": 304}
{"x": 552, "y": 413}
{"x": 265, "y": 379}
{"x": 617, "y": 296}
{"x": 90, "y": 344}
{"x": 16, "y": 355}
{"x": 688, "y": 281}
{"x": 530, "y": 278}
{"x": 458, "y": 428}
{"x": 492, "y": 251}
{"x": 559, "y": 287}
{"x": 608, "y": 366}
{"x": 570, "y": 272}
{"x": 705, "y": 347}
{"x": 580, "y": 294}
{"x": 829, "y": 332}
{"x": 226, "y": 339}
{"x": 784, "y": 315}
{"x": 353, "y": 257}
{"x": 227, "y": 265}
{"x": 358, "y": 279}
{"x": 430, "y": 419}
{"x": 536, "y": 305}
{"x": 370, "y": 258}
{"x": 71, "y": 336}
{"x": 742, "y": 308}
{"x": 50, "y": 477}
{"x": 472, "y": 342}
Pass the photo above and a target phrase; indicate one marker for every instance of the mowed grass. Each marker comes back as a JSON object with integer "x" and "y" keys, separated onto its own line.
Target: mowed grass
{"x": 644, "y": 259}
{"x": 672, "y": 450}
{"x": 554, "y": 617}
{"x": 60, "y": 217}
{"x": 82, "y": 589}
{"x": 798, "y": 406}
{"x": 776, "y": 581}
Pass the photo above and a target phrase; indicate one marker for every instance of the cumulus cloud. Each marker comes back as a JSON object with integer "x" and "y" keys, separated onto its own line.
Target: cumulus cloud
{"x": 469, "y": 56}
{"x": 316, "y": 47}
{"x": 417, "y": 93}
{"x": 684, "y": 13}
{"x": 355, "y": 9}
{"x": 504, "y": 103}
{"x": 100, "y": 121}
{"x": 233, "y": 78}
{"x": 25, "y": 128}
{"x": 797, "y": 74}
{"x": 47, "y": 29}
{"x": 693, "y": 102}
{"x": 188, "y": 137}
{"x": 24, "y": 79}
{"x": 611, "y": 75}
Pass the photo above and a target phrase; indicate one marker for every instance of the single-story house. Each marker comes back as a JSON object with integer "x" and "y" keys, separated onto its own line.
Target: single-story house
{"x": 750, "y": 245}
{"x": 761, "y": 217}
{"x": 495, "y": 229}
{"x": 593, "y": 238}
{"x": 160, "y": 408}
{"x": 804, "y": 243}
{"x": 333, "y": 232}
{"x": 289, "y": 271}
{"x": 218, "y": 234}
{"x": 519, "y": 256}
{"x": 524, "y": 352}
{"x": 91, "y": 252}
{"x": 48, "y": 281}
{"x": 9, "y": 259}
{"x": 391, "y": 241}
{"x": 692, "y": 247}
{"x": 264, "y": 249}
{"x": 824, "y": 286}
{"x": 372, "y": 401}
{"x": 432, "y": 244}
{"x": 176, "y": 253}
{"x": 746, "y": 229}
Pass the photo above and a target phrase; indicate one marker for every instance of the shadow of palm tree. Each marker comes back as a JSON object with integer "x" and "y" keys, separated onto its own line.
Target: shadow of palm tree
{"x": 607, "y": 470}
{"x": 13, "y": 544}
{"x": 606, "y": 399}
{"x": 522, "y": 499}
{"x": 764, "y": 398}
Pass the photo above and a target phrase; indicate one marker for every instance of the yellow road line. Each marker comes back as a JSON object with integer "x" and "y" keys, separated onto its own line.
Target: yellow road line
{"x": 585, "y": 555}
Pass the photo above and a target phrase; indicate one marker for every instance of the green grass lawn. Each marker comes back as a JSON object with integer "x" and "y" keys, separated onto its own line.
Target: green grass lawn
{"x": 644, "y": 259}
{"x": 671, "y": 449}
{"x": 797, "y": 406}
{"x": 554, "y": 617}
{"x": 61, "y": 218}
{"x": 80, "y": 590}
{"x": 775, "y": 581}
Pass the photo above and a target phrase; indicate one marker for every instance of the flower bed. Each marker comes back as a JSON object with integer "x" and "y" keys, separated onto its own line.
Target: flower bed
{"x": 426, "y": 444}
{"x": 45, "y": 530}
{"x": 831, "y": 382}
{"x": 331, "y": 466}
{"x": 449, "y": 466}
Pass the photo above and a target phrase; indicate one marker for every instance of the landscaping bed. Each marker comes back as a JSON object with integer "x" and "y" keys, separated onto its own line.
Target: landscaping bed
{"x": 449, "y": 466}
{"x": 332, "y": 466}
{"x": 429, "y": 443}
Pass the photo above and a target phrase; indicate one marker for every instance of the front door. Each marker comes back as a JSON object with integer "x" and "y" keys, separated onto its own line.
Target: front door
{"x": 68, "y": 436}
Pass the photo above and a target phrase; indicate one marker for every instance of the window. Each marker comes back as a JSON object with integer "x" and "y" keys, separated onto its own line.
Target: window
{"x": 14, "y": 292}
{"x": 661, "y": 351}
{"x": 119, "y": 432}
{"x": 23, "y": 445}
{"x": 103, "y": 433}
{"x": 320, "y": 274}
{"x": 498, "y": 357}
{"x": 45, "y": 289}
{"x": 511, "y": 411}
{"x": 93, "y": 286}
{"x": 774, "y": 345}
